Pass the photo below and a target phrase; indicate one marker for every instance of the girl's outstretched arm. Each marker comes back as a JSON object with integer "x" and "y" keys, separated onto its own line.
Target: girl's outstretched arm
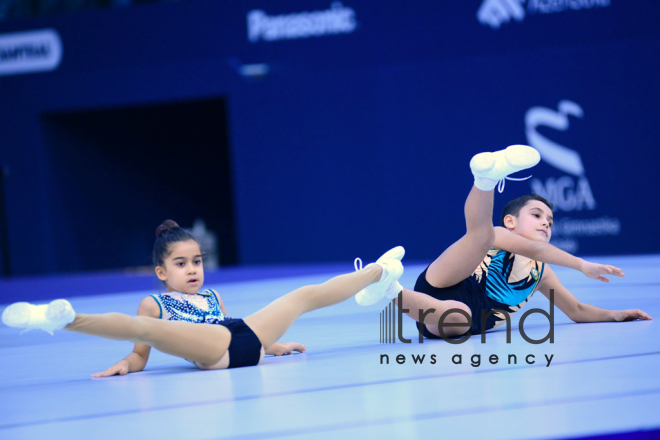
{"x": 137, "y": 360}
{"x": 578, "y": 311}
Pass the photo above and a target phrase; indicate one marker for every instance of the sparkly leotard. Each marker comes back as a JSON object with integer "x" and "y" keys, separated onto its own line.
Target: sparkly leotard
{"x": 204, "y": 308}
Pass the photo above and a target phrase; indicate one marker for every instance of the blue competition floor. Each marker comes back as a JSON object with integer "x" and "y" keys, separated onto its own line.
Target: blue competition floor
{"x": 604, "y": 378}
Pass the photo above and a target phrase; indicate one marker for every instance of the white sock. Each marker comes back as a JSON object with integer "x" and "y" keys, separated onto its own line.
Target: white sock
{"x": 485, "y": 184}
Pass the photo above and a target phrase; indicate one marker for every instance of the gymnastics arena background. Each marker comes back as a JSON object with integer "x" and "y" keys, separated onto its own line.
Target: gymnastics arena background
{"x": 305, "y": 134}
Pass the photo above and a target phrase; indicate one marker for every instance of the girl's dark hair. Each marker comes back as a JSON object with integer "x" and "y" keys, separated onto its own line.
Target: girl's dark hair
{"x": 515, "y": 205}
{"x": 167, "y": 234}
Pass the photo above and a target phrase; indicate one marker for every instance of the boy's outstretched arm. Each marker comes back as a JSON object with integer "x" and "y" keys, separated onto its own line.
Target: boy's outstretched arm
{"x": 578, "y": 311}
{"x": 547, "y": 253}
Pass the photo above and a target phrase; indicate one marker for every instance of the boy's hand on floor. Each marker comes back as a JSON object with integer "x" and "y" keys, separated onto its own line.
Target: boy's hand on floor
{"x": 631, "y": 315}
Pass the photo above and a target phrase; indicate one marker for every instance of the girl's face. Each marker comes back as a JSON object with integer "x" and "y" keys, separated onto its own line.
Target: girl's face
{"x": 183, "y": 271}
{"x": 534, "y": 221}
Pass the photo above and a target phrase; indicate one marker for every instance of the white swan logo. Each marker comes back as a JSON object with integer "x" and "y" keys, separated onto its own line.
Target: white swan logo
{"x": 29, "y": 52}
{"x": 570, "y": 192}
{"x": 567, "y": 193}
{"x": 555, "y": 154}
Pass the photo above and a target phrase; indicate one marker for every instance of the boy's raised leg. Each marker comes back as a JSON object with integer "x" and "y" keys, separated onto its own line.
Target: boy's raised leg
{"x": 461, "y": 259}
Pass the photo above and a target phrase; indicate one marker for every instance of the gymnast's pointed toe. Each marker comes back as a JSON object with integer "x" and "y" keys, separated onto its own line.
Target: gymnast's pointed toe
{"x": 17, "y": 315}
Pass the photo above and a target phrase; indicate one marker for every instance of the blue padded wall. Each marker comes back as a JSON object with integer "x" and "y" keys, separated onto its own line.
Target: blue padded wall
{"x": 358, "y": 138}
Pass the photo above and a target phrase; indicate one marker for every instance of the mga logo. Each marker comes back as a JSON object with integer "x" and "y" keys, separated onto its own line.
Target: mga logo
{"x": 495, "y": 12}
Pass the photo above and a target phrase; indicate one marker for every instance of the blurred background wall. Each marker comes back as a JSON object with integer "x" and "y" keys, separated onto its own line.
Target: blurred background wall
{"x": 317, "y": 131}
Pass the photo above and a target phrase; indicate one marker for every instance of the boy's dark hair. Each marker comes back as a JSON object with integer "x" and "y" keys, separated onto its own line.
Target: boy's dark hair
{"x": 167, "y": 234}
{"x": 515, "y": 205}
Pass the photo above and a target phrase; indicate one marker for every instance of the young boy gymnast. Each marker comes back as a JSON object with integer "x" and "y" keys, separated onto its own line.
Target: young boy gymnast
{"x": 499, "y": 268}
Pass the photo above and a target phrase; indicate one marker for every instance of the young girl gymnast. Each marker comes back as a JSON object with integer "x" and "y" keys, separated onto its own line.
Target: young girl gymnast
{"x": 511, "y": 261}
{"x": 192, "y": 324}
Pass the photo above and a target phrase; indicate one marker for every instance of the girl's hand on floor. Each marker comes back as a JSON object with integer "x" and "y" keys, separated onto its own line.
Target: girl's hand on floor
{"x": 288, "y": 348}
{"x": 120, "y": 368}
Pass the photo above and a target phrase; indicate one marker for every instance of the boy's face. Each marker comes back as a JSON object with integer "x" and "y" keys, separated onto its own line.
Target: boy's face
{"x": 534, "y": 221}
{"x": 183, "y": 270}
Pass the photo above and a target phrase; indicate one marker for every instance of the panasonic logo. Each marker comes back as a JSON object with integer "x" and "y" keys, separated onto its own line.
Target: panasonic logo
{"x": 30, "y": 52}
{"x": 339, "y": 19}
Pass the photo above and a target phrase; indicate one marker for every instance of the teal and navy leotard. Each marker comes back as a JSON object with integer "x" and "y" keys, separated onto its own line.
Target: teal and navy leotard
{"x": 503, "y": 281}
{"x": 509, "y": 278}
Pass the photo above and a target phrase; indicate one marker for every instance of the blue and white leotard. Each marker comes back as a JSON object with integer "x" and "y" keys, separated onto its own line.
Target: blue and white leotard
{"x": 202, "y": 307}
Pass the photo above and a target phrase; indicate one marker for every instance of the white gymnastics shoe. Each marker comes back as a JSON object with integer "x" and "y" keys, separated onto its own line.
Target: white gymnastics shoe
{"x": 50, "y": 317}
{"x": 489, "y": 169}
{"x": 394, "y": 253}
{"x": 397, "y": 253}
{"x": 388, "y": 286}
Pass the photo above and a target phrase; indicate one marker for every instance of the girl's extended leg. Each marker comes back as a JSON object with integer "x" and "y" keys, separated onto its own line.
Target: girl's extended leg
{"x": 199, "y": 343}
{"x": 270, "y": 323}
{"x": 460, "y": 260}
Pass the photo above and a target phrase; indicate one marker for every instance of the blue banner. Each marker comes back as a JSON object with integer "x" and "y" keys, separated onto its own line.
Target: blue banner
{"x": 350, "y": 125}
